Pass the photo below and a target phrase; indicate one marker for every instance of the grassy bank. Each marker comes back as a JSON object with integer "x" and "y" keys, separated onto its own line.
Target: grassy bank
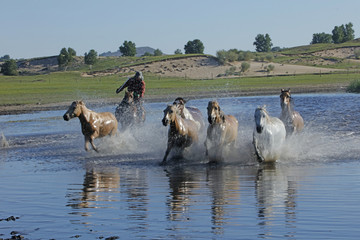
{"x": 68, "y": 86}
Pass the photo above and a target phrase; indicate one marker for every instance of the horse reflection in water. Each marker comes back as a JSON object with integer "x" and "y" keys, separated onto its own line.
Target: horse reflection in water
{"x": 182, "y": 132}
{"x": 182, "y": 182}
{"x": 221, "y": 133}
{"x": 292, "y": 120}
{"x": 127, "y": 113}
{"x": 268, "y": 136}
{"x": 113, "y": 184}
{"x": 93, "y": 125}
{"x": 97, "y": 183}
{"x": 276, "y": 193}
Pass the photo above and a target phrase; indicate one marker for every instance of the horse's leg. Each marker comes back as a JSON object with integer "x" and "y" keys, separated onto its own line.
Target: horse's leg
{"x": 92, "y": 143}
{"x": 169, "y": 146}
{"x": 168, "y": 149}
{"x": 257, "y": 151}
{"x": 87, "y": 140}
{"x": 206, "y": 148}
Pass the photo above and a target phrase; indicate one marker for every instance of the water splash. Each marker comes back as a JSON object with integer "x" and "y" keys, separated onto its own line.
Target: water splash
{"x": 3, "y": 142}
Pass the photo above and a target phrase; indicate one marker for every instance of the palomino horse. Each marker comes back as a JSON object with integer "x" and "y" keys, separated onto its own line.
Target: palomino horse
{"x": 93, "y": 125}
{"x": 293, "y": 121}
{"x": 127, "y": 112}
{"x": 191, "y": 113}
{"x": 222, "y": 131}
{"x": 268, "y": 136}
{"x": 182, "y": 132}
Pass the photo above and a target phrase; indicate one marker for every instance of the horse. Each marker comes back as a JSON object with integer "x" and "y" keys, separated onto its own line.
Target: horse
{"x": 93, "y": 125}
{"x": 268, "y": 136}
{"x": 127, "y": 111}
{"x": 222, "y": 130}
{"x": 191, "y": 113}
{"x": 182, "y": 132}
{"x": 293, "y": 121}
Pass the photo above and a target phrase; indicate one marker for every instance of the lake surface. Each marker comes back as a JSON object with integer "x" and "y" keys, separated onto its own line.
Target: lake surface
{"x": 56, "y": 190}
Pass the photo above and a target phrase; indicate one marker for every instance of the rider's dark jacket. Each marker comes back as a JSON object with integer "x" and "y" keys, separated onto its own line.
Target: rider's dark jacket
{"x": 135, "y": 85}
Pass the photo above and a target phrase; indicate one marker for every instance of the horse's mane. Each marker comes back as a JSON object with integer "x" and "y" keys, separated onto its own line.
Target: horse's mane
{"x": 179, "y": 100}
{"x": 263, "y": 108}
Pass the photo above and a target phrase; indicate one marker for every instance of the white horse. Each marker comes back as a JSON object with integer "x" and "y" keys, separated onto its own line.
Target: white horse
{"x": 269, "y": 136}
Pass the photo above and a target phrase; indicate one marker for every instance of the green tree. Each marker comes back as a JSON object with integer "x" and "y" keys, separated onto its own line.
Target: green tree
{"x": 343, "y": 33}
{"x": 63, "y": 57}
{"x": 349, "y": 32}
{"x": 66, "y": 56}
{"x": 321, "y": 38}
{"x": 195, "y": 46}
{"x": 158, "y": 52}
{"x": 128, "y": 49}
{"x": 9, "y": 68}
{"x": 72, "y": 54}
{"x": 338, "y": 34}
{"x": 91, "y": 57}
{"x": 263, "y": 43}
{"x": 5, "y": 57}
{"x": 178, "y": 51}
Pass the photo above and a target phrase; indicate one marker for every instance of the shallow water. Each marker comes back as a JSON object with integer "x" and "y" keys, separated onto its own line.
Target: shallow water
{"x": 59, "y": 191}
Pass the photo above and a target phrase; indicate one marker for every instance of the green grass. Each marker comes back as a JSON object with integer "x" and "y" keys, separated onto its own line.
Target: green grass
{"x": 306, "y": 49}
{"x": 68, "y": 86}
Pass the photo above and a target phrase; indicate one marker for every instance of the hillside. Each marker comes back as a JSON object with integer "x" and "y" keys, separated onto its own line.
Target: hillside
{"x": 140, "y": 51}
{"x": 309, "y": 59}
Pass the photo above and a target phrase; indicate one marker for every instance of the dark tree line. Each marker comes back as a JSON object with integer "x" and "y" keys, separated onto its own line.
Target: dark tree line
{"x": 340, "y": 34}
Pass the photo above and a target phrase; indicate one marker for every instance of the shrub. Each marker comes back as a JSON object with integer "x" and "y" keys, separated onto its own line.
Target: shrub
{"x": 232, "y": 56}
{"x": 270, "y": 68}
{"x": 269, "y": 58}
{"x": 230, "y": 71}
{"x": 221, "y": 56}
{"x": 357, "y": 53}
{"x": 354, "y": 87}
{"x": 245, "y": 66}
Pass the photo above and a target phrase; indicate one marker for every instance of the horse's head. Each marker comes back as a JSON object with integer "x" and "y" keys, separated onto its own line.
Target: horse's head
{"x": 180, "y": 104}
{"x": 74, "y": 110}
{"x": 285, "y": 97}
{"x": 169, "y": 114}
{"x": 215, "y": 114}
{"x": 128, "y": 97}
{"x": 260, "y": 118}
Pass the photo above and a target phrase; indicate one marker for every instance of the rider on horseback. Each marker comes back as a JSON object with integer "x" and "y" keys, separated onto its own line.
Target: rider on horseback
{"x": 136, "y": 85}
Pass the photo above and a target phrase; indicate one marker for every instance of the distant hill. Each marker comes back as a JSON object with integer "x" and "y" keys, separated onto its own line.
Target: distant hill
{"x": 139, "y": 52}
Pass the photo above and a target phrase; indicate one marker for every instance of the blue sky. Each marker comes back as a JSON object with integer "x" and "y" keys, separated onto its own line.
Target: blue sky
{"x": 36, "y": 28}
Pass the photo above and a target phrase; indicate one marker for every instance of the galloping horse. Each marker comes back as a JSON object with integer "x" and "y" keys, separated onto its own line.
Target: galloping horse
{"x": 293, "y": 121}
{"x": 182, "y": 132}
{"x": 191, "y": 113}
{"x": 222, "y": 131}
{"x": 93, "y": 125}
{"x": 268, "y": 136}
{"x": 127, "y": 112}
